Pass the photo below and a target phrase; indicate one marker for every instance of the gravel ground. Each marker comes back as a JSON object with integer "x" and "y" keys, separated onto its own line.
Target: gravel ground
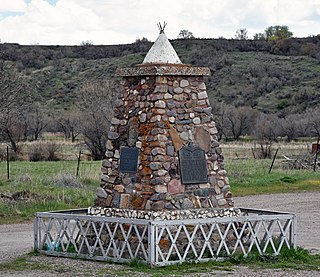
{"x": 306, "y": 206}
{"x": 17, "y": 239}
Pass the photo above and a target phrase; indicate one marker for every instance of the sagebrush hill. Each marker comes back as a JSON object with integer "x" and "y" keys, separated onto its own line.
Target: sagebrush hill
{"x": 282, "y": 78}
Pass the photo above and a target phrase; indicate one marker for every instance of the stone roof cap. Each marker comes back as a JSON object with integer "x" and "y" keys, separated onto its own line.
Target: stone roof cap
{"x": 163, "y": 70}
{"x": 161, "y": 52}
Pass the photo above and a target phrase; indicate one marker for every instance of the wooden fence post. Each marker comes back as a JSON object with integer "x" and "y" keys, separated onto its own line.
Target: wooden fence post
{"x": 78, "y": 164}
{"x": 274, "y": 157}
{"x": 8, "y": 166}
{"x": 316, "y": 156}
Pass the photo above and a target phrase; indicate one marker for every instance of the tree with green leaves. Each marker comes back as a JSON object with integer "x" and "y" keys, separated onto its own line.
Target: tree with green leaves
{"x": 275, "y": 33}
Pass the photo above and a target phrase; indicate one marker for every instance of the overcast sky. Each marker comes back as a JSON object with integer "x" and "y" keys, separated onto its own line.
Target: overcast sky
{"x": 69, "y": 22}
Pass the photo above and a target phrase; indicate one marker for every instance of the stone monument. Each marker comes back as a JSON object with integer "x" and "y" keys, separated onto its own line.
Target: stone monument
{"x": 163, "y": 152}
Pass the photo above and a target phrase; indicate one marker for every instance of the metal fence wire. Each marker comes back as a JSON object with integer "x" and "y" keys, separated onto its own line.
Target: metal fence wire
{"x": 159, "y": 243}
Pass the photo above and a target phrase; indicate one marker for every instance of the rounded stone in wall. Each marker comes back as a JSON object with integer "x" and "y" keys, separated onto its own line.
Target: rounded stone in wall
{"x": 184, "y": 136}
{"x": 187, "y": 203}
{"x": 157, "y": 206}
{"x": 161, "y": 188}
{"x": 222, "y": 202}
{"x": 202, "y": 86}
{"x": 220, "y": 183}
{"x": 184, "y": 83}
{"x": 196, "y": 120}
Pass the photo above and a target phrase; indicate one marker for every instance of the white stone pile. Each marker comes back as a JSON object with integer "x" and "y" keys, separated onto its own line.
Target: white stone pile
{"x": 164, "y": 214}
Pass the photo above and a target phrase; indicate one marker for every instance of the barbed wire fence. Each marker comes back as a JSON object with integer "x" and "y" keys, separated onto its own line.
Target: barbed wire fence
{"x": 78, "y": 165}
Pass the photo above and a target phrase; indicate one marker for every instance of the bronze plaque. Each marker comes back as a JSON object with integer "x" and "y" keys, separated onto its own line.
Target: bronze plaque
{"x": 129, "y": 159}
{"x": 193, "y": 165}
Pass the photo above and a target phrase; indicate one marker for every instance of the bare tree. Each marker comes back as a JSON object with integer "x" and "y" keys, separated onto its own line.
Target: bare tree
{"x": 35, "y": 120}
{"x": 219, "y": 112}
{"x": 259, "y": 36}
{"x": 13, "y": 99}
{"x": 69, "y": 124}
{"x": 241, "y": 34}
{"x": 95, "y": 101}
{"x": 185, "y": 34}
{"x": 239, "y": 121}
{"x": 314, "y": 120}
{"x": 266, "y": 132}
{"x": 289, "y": 127}
{"x": 12, "y": 128}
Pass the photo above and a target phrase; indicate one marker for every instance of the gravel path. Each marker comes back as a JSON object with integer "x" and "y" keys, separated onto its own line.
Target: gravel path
{"x": 306, "y": 206}
{"x": 17, "y": 239}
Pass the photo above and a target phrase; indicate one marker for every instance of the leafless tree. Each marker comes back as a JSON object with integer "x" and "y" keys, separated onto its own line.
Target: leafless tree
{"x": 314, "y": 120}
{"x": 69, "y": 124}
{"x": 239, "y": 121}
{"x": 95, "y": 101}
{"x": 185, "y": 34}
{"x": 289, "y": 127}
{"x": 219, "y": 112}
{"x": 266, "y": 132}
{"x": 14, "y": 93}
{"x": 242, "y": 34}
{"x": 35, "y": 120}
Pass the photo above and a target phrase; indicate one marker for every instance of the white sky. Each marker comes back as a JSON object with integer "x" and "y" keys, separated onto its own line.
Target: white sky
{"x": 69, "y": 22}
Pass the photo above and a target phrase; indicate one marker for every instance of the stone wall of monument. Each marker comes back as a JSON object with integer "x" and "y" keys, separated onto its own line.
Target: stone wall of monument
{"x": 159, "y": 117}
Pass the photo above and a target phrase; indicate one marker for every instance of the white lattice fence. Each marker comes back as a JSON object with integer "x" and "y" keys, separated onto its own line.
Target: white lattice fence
{"x": 74, "y": 234}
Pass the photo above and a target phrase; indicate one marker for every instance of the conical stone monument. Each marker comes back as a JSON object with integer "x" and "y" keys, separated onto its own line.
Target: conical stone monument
{"x": 163, "y": 152}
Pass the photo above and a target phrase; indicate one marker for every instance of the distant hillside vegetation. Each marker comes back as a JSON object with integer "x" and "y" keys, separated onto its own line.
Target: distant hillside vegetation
{"x": 282, "y": 78}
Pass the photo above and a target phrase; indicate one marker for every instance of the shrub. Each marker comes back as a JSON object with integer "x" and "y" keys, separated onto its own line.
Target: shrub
{"x": 36, "y": 153}
{"x": 52, "y": 149}
{"x": 44, "y": 152}
{"x": 288, "y": 179}
{"x": 65, "y": 180}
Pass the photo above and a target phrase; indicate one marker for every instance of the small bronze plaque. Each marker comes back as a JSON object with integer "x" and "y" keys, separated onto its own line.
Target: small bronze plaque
{"x": 193, "y": 165}
{"x": 129, "y": 159}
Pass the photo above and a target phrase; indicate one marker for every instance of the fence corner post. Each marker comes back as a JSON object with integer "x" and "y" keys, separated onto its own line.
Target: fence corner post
{"x": 151, "y": 244}
{"x": 36, "y": 232}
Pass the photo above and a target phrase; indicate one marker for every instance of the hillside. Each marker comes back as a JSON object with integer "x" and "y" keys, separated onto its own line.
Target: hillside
{"x": 283, "y": 78}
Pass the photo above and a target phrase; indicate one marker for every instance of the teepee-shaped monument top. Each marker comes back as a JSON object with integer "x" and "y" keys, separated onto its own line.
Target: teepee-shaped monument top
{"x": 162, "y": 51}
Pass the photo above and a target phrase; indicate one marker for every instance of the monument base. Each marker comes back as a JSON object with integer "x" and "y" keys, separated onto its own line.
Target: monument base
{"x": 164, "y": 214}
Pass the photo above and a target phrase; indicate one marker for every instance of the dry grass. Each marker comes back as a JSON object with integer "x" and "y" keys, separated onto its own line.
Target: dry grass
{"x": 243, "y": 150}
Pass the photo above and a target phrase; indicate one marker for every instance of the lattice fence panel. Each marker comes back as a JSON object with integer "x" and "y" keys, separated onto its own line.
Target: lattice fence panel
{"x": 163, "y": 242}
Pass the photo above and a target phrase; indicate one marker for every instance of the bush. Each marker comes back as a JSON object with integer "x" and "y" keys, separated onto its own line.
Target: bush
{"x": 44, "y": 152}
{"x": 52, "y": 149}
{"x": 65, "y": 180}
{"x": 288, "y": 179}
{"x": 36, "y": 153}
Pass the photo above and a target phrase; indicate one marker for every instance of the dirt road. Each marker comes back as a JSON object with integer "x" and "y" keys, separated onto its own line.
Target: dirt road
{"x": 306, "y": 206}
{"x": 17, "y": 239}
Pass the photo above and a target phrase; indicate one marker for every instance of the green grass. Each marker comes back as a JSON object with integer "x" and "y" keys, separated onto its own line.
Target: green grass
{"x": 52, "y": 185}
{"x": 22, "y": 263}
{"x": 46, "y": 186}
{"x": 298, "y": 259}
{"x": 250, "y": 177}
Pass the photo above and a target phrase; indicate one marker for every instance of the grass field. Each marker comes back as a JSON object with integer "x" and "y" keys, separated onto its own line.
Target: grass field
{"x": 249, "y": 177}
{"x": 44, "y": 186}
